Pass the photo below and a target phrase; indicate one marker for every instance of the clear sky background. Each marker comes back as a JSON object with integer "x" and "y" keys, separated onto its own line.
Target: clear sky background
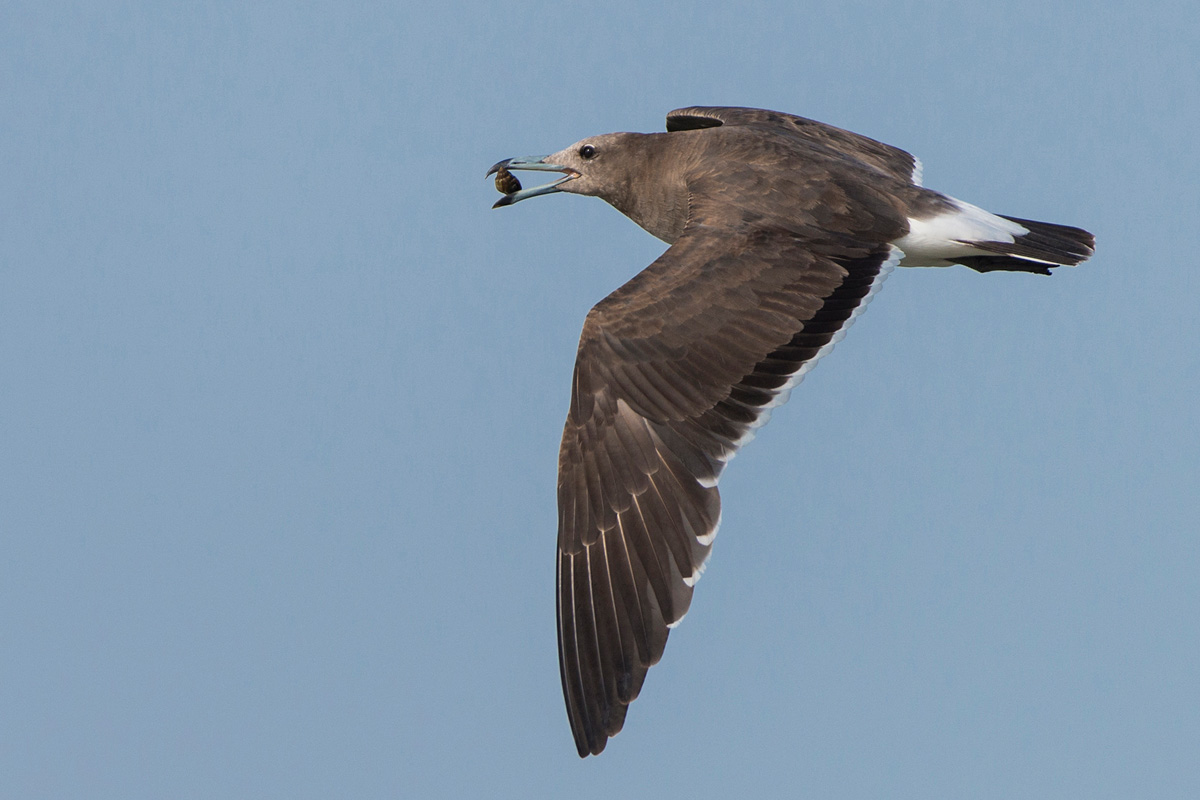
{"x": 280, "y": 402}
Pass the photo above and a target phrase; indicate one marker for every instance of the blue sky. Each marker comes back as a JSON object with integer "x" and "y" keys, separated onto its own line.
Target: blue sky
{"x": 282, "y": 401}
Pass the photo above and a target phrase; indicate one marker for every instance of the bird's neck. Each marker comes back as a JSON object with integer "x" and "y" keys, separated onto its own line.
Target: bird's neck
{"x": 660, "y": 202}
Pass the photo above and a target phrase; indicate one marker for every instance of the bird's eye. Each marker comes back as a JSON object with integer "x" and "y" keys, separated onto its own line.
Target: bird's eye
{"x": 587, "y": 151}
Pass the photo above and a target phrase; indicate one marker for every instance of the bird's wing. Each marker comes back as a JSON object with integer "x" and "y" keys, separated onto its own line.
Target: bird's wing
{"x": 884, "y": 157}
{"x": 674, "y": 372}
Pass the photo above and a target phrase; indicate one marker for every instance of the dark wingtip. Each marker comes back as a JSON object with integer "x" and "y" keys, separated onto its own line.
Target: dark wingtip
{"x": 691, "y": 119}
{"x": 506, "y": 200}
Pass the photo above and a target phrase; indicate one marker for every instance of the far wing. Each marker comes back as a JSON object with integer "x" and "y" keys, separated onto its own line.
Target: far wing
{"x": 891, "y": 160}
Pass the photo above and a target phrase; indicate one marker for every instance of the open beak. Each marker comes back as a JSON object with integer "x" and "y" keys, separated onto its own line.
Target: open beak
{"x": 532, "y": 163}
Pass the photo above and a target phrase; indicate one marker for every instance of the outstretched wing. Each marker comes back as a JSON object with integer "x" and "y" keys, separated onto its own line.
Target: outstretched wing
{"x": 675, "y": 370}
{"x": 884, "y": 157}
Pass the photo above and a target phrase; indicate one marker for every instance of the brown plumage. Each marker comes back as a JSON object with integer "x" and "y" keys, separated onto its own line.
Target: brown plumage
{"x": 780, "y": 228}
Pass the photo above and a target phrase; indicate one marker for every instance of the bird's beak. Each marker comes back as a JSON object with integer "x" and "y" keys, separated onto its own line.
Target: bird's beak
{"x": 534, "y": 163}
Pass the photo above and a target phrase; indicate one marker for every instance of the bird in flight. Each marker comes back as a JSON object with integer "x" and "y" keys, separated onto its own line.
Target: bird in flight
{"x": 781, "y": 229}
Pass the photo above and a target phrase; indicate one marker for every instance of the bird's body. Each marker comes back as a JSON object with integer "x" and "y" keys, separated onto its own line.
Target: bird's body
{"x": 781, "y": 228}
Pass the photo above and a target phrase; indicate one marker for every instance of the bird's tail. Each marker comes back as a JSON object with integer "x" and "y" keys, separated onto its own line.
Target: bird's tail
{"x": 1043, "y": 246}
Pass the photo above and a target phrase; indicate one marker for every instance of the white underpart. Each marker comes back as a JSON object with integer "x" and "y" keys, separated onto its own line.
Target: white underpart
{"x": 937, "y": 241}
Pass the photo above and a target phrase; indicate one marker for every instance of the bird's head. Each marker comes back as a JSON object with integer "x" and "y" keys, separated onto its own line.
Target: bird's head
{"x": 593, "y": 166}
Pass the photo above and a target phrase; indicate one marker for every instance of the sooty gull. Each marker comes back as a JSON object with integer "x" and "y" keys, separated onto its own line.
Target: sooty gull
{"x": 781, "y": 229}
